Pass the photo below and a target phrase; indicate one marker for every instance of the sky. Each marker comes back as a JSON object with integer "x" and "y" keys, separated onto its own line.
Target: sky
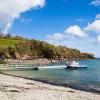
{"x": 72, "y": 23}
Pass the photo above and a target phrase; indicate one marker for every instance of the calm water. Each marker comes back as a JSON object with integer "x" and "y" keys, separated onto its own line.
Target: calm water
{"x": 85, "y": 79}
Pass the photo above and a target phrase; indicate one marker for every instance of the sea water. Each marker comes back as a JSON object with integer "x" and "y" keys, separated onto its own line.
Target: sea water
{"x": 85, "y": 79}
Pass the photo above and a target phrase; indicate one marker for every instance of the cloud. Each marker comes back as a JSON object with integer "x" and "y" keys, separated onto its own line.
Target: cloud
{"x": 97, "y": 16}
{"x": 98, "y": 39}
{"x": 95, "y": 3}
{"x": 93, "y": 27}
{"x": 76, "y": 31}
{"x": 55, "y": 37}
{"x": 70, "y": 32}
{"x": 11, "y": 10}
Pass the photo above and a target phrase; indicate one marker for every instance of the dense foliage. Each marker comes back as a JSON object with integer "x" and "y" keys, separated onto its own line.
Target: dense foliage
{"x": 18, "y": 47}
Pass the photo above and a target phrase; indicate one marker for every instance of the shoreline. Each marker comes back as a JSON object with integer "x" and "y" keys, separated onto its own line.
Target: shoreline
{"x": 45, "y": 81}
{"x": 17, "y": 84}
{"x": 51, "y": 82}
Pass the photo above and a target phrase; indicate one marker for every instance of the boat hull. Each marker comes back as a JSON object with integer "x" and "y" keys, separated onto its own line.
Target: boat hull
{"x": 75, "y": 67}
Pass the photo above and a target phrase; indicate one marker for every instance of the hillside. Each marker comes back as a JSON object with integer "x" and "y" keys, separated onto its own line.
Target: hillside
{"x": 8, "y": 42}
{"x": 18, "y": 47}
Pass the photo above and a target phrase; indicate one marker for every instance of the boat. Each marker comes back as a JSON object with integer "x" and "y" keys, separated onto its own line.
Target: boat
{"x": 74, "y": 65}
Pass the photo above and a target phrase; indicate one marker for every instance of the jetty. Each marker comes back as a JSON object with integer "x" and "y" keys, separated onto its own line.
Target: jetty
{"x": 17, "y": 66}
{"x": 23, "y": 66}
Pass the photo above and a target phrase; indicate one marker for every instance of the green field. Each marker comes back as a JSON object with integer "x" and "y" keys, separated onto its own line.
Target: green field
{"x": 9, "y": 41}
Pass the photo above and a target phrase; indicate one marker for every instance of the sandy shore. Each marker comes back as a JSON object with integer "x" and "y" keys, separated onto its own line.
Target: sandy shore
{"x": 14, "y": 88}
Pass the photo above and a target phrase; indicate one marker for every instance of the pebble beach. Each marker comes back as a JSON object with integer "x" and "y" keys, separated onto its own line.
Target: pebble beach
{"x": 15, "y": 88}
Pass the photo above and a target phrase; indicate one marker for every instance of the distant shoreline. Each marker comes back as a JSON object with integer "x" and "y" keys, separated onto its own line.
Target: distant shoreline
{"x": 41, "y": 61}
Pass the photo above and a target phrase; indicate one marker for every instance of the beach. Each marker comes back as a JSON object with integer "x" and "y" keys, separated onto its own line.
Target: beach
{"x": 15, "y": 88}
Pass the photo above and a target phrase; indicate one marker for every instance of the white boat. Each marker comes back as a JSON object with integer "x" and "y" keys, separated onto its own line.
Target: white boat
{"x": 74, "y": 65}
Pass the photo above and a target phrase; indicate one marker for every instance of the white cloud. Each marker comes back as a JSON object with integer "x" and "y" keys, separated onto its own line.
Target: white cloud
{"x": 72, "y": 32}
{"x": 95, "y": 3}
{"x": 76, "y": 31}
{"x": 10, "y": 10}
{"x": 97, "y": 16}
{"x": 98, "y": 38}
{"x": 94, "y": 27}
{"x": 69, "y": 33}
{"x": 54, "y": 37}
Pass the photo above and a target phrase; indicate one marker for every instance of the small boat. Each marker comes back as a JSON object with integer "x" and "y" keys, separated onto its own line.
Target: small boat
{"x": 74, "y": 65}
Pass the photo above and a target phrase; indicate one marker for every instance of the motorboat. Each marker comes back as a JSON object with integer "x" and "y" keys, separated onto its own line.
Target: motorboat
{"x": 74, "y": 65}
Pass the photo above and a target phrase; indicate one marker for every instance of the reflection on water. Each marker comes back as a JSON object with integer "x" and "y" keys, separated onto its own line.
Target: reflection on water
{"x": 86, "y": 79}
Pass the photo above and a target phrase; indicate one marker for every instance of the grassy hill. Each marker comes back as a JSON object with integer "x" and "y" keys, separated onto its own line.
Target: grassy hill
{"x": 9, "y": 41}
{"x": 18, "y": 47}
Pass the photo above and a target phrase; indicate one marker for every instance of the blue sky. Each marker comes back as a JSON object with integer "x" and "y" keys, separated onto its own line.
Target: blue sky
{"x": 58, "y": 20}
{"x": 56, "y": 16}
